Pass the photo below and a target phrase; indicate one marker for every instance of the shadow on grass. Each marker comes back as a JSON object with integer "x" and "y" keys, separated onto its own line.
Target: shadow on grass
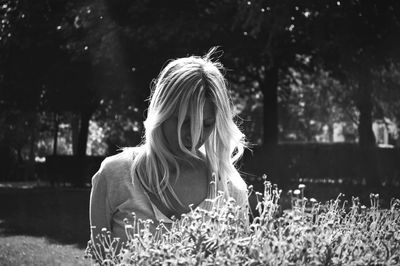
{"x": 59, "y": 214}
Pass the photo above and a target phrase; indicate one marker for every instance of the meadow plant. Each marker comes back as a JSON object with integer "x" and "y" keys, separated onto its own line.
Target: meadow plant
{"x": 310, "y": 233}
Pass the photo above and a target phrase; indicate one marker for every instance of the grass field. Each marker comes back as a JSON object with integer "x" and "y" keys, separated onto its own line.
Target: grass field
{"x": 29, "y": 250}
{"x": 50, "y": 226}
{"x": 43, "y": 226}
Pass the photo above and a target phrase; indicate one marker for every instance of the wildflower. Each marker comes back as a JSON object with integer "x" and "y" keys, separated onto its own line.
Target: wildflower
{"x": 312, "y": 200}
{"x": 231, "y": 200}
{"x": 128, "y": 226}
{"x": 296, "y": 237}
{"x": 371, "y": 195}
{"x": 230, "y": 216}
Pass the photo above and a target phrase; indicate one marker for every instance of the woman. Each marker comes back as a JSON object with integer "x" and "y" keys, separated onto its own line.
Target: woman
{"x": 190, "y": 140}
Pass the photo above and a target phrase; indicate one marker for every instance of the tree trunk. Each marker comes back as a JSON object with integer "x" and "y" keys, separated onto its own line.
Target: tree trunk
{"x": 270, "y": 119}
{"x": 75, "y": 132}
{"x": 80, "y": 157}
{"x": 55, "y": 136}
{"x": 270, "y": 90}
{"x": 367, "y": 161}
{"x": 83, "y": 132}
{"x": 364, "y": 105}
{"x": 29, "y": 173}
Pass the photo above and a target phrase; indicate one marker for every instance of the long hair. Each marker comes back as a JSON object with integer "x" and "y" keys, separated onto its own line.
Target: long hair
{"x": 182, "y": 87}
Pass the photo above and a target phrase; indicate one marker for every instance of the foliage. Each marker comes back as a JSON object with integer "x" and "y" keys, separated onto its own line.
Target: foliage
{"x": 387, "y": 94}
{"x": 358, "y": 39}
{"x": 120, "y": 122}
{"x": 59, "y": 56}
{"x": 311, "y": 99}
{"x": 29, "y": 52}
{"x": 87, "y": 56}
{"x": 247, "y": 100}
{"x": 349, "y": 39}
{"x": 310, "y": 233}
{"x": 311, "y": 103}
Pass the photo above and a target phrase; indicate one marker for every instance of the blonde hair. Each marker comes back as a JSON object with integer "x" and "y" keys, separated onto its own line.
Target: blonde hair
{"x": 184, "y": 85}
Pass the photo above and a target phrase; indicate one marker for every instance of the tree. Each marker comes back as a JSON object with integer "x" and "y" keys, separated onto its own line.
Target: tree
{"x": 358, "y": 38}
{"x": 387, "y": 97}
{"x": 149, "y": 33}
{"x": 28, "y": 44}
{"x": 311, "y": 103}
{"x": 57, "y": 58}
{"x": 42, "y": 70}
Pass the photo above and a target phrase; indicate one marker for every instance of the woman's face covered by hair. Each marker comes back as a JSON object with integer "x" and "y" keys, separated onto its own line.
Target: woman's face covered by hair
{"x": 170, "y": 129}
{"x": 189, "y": 110}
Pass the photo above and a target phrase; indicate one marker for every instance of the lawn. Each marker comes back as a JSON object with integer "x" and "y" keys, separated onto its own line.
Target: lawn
{"x": 30, "y": 250}
{"x": 43, "y": 226}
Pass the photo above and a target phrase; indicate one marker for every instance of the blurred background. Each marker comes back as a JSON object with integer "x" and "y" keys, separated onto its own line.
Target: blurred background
{"x": 315, "y": 84}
